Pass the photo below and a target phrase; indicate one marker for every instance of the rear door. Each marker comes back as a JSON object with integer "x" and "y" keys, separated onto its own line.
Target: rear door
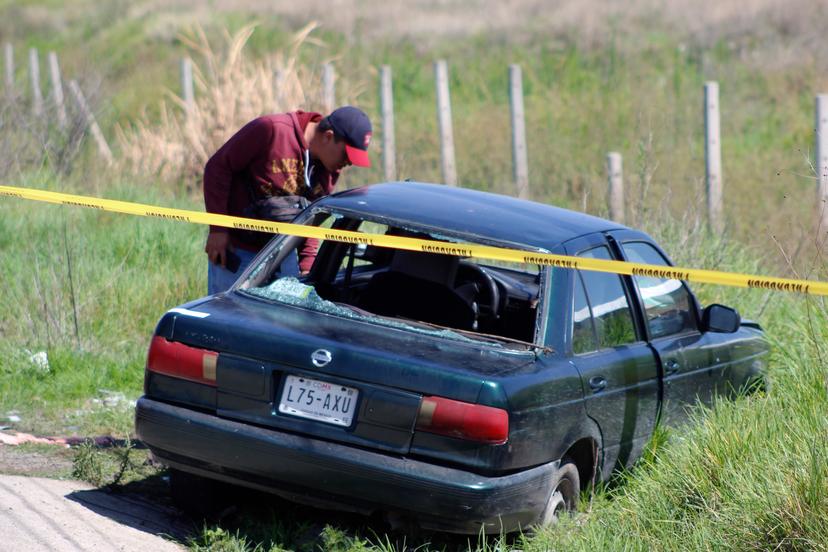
{"x": 672, "y": 326}
{"x": 618, "y": 369}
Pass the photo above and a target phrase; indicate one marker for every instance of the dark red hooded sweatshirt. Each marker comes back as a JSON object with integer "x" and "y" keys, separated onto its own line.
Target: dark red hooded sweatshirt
{"x": 263, "y": 159}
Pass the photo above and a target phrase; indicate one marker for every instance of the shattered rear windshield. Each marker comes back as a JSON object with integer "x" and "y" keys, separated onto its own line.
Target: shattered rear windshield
{"x": 444, "y": 295}
{"x": 291, "y": 291}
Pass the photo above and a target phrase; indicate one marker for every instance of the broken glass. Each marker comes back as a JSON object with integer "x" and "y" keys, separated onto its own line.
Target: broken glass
{"x": 293, "y": 292}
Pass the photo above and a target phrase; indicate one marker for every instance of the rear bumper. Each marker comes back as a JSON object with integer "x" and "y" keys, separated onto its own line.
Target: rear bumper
{"x": 441, "y": 498}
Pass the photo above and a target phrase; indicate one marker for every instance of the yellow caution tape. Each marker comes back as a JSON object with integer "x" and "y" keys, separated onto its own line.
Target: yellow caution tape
{"x": 413, "y": 244}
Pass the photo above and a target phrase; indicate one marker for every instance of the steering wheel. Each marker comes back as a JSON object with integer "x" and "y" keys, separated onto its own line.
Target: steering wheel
{"x": 488, "y": 299}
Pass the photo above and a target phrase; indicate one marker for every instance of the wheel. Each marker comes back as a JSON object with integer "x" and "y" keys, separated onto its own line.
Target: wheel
{"x": 566, "y": 486}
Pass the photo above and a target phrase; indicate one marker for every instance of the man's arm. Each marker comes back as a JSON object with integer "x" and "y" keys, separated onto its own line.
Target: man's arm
{"x": 307, "y": 254}
{"x": 233, "y": 157}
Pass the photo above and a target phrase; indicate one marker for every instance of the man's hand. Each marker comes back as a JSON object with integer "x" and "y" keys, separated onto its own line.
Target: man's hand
{"x": 217, "y": 245}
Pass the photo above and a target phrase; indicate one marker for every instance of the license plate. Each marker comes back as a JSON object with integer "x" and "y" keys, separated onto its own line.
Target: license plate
{"x": 318, "y": 400}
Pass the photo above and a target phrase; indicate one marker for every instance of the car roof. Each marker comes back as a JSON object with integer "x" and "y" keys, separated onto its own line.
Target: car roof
{"x": 469, "y": 212}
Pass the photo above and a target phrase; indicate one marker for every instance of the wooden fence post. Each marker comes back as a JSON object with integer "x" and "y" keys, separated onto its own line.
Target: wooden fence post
{"x": 9, "y": 54}
{"x": 519, "y": 157}
{"x": 328, "y": 96}
{"x": 713, "y": 157}
{"x": 821, "y": 159}
{"x": 444, "y": 120}
{"x": 389, "y": 152}
{"x": 34, "y": 72}
{"x": 57, "y": 90}
{"x": 615, "y": 200}
{"x": 103, "y": 147}
{"x": 187, "y": 93}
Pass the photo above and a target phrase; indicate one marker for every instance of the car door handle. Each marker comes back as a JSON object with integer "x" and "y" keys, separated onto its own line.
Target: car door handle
{"x": 671, "y": 367}
{"x": 597, "y": 383}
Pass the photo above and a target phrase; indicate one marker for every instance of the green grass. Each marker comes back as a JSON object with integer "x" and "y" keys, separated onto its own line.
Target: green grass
{"x": 95, "y": 327}
{"x": 748, "y": 474}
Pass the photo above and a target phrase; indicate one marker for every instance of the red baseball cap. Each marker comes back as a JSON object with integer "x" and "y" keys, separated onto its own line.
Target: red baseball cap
{"x": 353, "y": 125}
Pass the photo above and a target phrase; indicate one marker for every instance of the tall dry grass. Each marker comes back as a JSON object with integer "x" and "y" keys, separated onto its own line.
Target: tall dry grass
{"x": 230, "y": 90}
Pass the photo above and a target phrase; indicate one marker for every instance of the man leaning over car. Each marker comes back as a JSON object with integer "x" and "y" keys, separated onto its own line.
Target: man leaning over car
{"x": 285, "y": 156}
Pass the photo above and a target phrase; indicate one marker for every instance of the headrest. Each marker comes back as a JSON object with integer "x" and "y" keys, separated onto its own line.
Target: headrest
{"x": 433, "y": 267}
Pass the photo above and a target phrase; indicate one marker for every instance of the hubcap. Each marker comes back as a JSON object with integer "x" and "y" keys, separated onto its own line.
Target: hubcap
{"x": 557, "y": 505}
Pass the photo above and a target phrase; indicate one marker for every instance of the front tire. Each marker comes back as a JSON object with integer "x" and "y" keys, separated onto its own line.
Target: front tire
{"x": 563, "y": 498}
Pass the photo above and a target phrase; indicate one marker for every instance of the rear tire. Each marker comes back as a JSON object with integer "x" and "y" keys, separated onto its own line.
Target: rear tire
{"x": 566, "y": 488}
{"x": 199, "y": 497}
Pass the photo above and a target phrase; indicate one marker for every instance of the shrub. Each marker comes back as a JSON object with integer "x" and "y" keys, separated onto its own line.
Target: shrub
{"x": 233, "y": 90}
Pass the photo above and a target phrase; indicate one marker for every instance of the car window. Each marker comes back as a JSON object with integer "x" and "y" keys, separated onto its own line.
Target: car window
{"x": 366, "y": 257}
{"x": 583, "y": 334}
{"x": 608, "y": 303}
{"x": 667, "y": 303}
{"x": 423, "y": 291}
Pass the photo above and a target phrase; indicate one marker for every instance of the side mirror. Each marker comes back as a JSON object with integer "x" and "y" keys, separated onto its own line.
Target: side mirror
{"x": 719, "y": 318}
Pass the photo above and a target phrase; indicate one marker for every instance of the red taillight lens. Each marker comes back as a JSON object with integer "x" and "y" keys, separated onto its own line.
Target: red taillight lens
{"x": 182, "y": 361}
{"x": 473, "y": 422}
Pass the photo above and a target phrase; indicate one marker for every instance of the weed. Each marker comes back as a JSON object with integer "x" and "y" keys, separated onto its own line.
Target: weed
{"x": 216, "y": 539}
{"x": 90, "y": 465}
{"x": 336, "y": 541}
{"x": 232, "y": 91}
{"x": 110, "y": 466}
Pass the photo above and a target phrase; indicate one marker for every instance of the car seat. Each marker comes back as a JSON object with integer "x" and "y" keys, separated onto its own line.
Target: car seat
{"x": 420, "y": 286}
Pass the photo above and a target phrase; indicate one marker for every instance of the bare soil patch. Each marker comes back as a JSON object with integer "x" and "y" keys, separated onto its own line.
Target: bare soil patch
{"x": 36, "y": 460}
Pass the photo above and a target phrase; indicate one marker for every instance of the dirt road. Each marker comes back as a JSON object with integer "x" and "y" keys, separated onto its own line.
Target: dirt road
{"x": 54, "y": 515}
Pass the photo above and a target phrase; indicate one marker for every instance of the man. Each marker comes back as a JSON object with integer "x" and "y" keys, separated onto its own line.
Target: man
{"x": 287, "y": 154}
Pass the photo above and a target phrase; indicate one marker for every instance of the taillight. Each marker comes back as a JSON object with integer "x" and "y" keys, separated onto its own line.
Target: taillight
{"x": 473, "y": 422}
{"x": 182, "y": 361}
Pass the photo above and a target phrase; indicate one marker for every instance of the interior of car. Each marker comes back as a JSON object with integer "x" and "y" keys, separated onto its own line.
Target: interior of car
{"x": 432, "y": 288}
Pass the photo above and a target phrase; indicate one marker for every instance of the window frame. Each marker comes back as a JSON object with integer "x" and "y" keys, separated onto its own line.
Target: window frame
{"x": 344, "y": 219}
{"x": 633, "y": 305}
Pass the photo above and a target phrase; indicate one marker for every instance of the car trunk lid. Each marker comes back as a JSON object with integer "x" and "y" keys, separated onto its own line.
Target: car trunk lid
{"x": 273, "y": 354}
